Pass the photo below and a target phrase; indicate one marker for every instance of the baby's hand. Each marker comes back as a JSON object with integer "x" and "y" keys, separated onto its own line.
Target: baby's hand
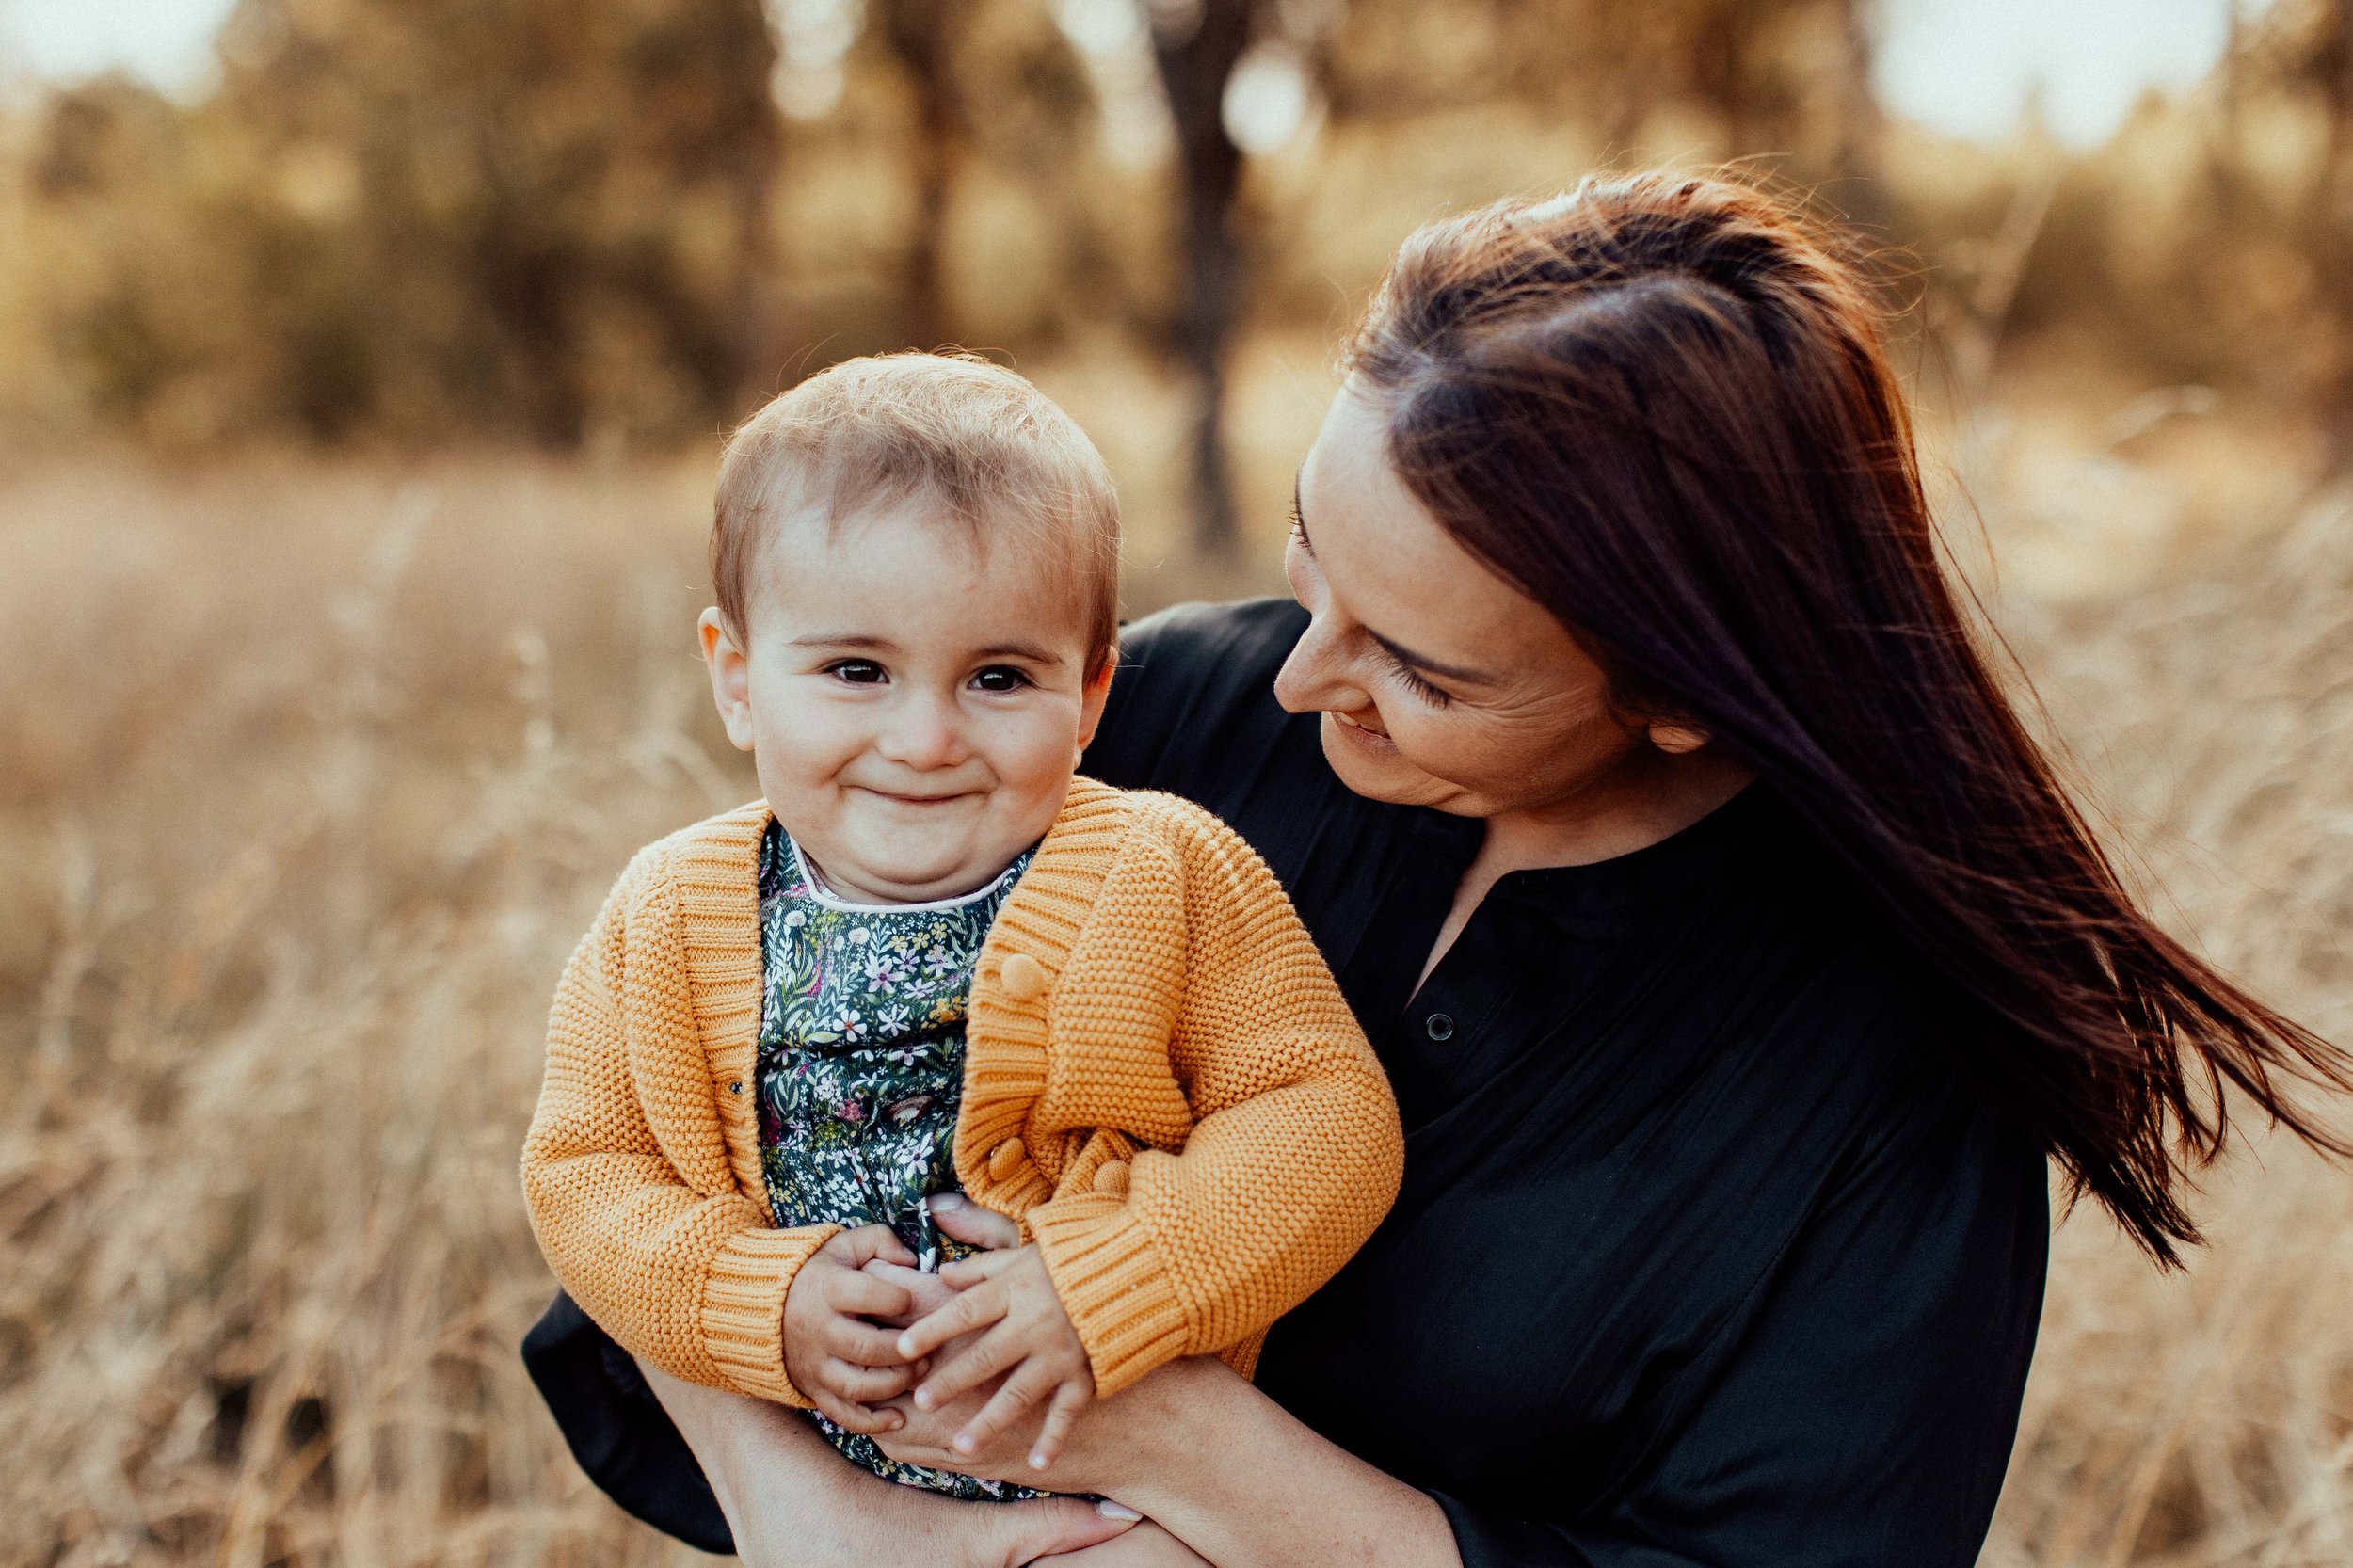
{"x": 1032, "y": 1342}
{"x": 842, "y": 1363}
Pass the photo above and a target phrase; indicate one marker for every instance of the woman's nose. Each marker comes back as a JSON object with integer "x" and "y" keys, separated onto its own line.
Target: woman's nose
{"x": 1312, "y": 679}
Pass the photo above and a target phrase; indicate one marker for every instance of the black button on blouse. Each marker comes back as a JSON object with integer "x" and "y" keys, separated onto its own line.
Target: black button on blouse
{"x": 1706, "y": 1253}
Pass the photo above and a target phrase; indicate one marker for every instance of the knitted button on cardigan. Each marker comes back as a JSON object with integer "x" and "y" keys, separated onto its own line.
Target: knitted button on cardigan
{"x": 1161, "y": 1084}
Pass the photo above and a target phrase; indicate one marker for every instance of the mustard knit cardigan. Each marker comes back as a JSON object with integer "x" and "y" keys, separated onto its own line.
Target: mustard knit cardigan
{"x": 1161, "y": 1084}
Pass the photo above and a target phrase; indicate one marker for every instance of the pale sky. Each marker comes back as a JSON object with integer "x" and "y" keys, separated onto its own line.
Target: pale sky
{"x": 1966, "y": 67}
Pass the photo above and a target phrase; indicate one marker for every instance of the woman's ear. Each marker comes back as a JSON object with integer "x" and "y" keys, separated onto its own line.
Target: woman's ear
{"x": 1677, "y": 740}
{"x": 730, "y": 676}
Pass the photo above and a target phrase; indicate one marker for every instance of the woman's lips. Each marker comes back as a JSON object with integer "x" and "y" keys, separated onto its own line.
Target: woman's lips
{"x": 1358, "y": 730}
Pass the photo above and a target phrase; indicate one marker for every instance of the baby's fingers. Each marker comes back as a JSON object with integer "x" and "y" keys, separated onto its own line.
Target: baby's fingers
{"x": 1030, "y": 1384}
{"x": 973, "y": 1310}
{"x": 1061, "y": 1416}
{"x": 851, "y": 1383}
{"x": 855, "y": 1248}
{"x": 860, "y": 1343}
{"x": 851, "y": 1417}
{"x": 973, "y": 1365}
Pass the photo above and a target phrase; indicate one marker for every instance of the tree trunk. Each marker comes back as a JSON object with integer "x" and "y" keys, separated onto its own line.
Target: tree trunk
{"x": 1861, "y": 126}
{"x": 2332, "y": 226}
{"x": 755, "y": 348}
{"x": 922, "y": 36}
{"x": 1195, "y": 62}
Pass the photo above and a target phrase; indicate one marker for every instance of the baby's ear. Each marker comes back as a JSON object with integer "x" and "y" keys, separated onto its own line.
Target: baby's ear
{"x": 1098, "y": 691}
{"x": 730, "y": 676}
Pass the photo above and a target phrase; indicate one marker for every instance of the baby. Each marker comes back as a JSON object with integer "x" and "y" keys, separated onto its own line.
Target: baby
{"x": 932, "y": 960}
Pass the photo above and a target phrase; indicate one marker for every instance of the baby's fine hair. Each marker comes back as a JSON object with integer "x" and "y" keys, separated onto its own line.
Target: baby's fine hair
{"x": 996, "y": 452}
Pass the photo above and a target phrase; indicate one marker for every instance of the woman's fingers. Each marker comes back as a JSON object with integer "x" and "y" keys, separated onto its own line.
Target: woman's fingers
{"x": 1030, "y": 1386}
{"x": 1051, "y": 1525}
{"x": 1061, "y": 1416}
{"x": 1148, "y": 1546}
{"x": 962, "y": 1220}
{"x": 974, "y": 1308}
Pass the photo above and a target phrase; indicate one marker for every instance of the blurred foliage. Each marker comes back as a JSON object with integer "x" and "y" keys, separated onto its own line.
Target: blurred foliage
{"x": 433, "y": 215}
{"x": 565, "y": 223}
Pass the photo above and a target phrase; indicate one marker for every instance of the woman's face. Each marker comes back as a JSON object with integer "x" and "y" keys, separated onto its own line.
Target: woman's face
{"x": 1440, "y": 684}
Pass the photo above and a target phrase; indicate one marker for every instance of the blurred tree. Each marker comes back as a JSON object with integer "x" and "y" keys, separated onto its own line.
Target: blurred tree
{"x": 1196, "y": 45}
{"x": 924, "y": 36}
{"x": 2330, "y": 218}
{"x": 536, "y": 218}
{"x": 1861, "y": 128}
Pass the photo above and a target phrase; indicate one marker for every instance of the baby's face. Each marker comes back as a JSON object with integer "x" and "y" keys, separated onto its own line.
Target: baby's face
{"x": 915, "y": 706}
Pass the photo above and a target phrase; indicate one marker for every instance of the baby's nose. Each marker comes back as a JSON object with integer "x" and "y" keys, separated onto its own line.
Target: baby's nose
{"x": 925, "y": 733}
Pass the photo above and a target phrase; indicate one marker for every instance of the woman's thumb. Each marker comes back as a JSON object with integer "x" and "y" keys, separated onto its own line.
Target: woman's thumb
{"x": 962, "y": 1220}
{"x": 1055, "y": 1525}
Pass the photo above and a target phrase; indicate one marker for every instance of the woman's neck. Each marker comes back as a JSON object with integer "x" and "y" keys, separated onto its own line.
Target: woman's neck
{"x": 1637, "y": 805}
{"x": 1652, "y": 798}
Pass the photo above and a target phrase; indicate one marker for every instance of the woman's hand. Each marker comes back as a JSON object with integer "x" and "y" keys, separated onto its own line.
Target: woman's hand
{"x": 791, "y": 1501}
{"x": 1148, "y": 1546}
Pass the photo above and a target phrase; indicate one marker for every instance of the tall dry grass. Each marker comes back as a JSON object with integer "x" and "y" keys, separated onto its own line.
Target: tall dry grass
{"x": 309, "y": 778}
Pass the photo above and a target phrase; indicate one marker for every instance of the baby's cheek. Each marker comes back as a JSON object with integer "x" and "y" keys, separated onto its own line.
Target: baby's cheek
{"x": 802, "y": 750}
{"x": 1036, "y": 762}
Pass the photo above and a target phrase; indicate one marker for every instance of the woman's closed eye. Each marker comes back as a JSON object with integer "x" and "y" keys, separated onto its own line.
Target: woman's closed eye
{"x": 1415, "y": 682}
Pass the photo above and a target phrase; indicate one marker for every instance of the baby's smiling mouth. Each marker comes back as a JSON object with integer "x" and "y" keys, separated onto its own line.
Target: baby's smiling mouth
{"x": 903, "y": 798}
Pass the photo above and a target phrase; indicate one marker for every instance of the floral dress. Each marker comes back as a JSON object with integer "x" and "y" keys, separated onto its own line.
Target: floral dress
{"x": 862, "y": 1071}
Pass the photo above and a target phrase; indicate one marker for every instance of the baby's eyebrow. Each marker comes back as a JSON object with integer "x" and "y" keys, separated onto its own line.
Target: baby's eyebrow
{"x": 866, "y": 642}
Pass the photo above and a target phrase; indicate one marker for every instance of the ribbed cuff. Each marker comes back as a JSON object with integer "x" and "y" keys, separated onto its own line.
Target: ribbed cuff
{"x": 1112, "y": 1284}
{"x": 744, "y": 1307}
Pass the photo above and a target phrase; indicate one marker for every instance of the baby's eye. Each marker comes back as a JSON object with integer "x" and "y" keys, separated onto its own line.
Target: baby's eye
{"x": 999, "y": 678}
{"x": 858, "y": 672}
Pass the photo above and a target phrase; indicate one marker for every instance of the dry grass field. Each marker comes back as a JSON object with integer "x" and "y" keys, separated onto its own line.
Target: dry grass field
{"x": 310, "y": 776}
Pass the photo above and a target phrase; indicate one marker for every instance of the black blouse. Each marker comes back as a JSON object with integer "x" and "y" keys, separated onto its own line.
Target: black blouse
{"x": 1705, "y": 1254}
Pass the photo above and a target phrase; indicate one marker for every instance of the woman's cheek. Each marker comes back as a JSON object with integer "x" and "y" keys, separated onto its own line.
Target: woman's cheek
{"x": 1455, "y": 749}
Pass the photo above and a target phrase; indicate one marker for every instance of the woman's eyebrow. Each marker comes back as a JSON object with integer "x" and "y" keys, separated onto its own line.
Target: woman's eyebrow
{"x": 1428, "y": 665}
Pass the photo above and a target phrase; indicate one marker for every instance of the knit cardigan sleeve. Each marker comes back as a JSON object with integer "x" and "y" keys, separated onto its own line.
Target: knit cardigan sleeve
{"x": 1294, "y": 1156}
{"x": 625, "y": 1170}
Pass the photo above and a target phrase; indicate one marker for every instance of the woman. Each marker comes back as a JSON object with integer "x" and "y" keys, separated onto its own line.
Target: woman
{"x": 1736, "y": 958}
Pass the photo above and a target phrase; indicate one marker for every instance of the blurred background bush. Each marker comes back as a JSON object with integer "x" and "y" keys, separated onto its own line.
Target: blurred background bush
{"x": 614, "y": 228}
{"x": 361, "y": 366}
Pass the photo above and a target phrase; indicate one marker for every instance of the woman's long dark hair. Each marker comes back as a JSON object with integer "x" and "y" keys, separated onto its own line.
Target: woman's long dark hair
{"x": 1660, "y": 405}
